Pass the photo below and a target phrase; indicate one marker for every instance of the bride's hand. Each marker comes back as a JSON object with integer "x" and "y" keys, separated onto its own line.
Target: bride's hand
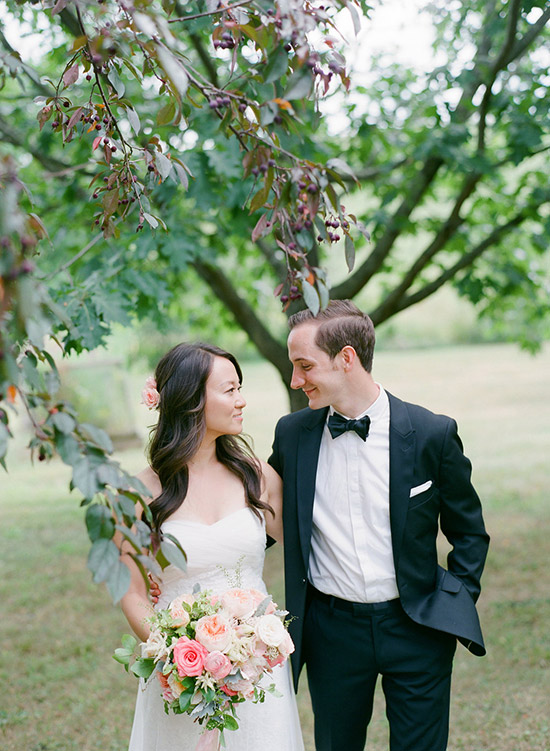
{"x": 154, "y": 589}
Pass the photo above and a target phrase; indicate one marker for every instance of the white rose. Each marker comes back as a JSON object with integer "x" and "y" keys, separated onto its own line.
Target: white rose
{"x": 270, "y": 630}
{"x": 155, "y": 646}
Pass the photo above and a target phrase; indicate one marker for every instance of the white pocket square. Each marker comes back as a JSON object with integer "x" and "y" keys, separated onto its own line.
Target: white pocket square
{"x": 420, "y": 488}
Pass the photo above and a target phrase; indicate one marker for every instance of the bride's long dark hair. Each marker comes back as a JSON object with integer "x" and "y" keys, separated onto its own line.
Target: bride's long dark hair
{"x": 181, "y": 377}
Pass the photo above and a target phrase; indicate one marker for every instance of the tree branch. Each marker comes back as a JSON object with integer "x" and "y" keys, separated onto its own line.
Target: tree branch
{"x": 354, "y": 283}
{"x": 206, "y": 59}
{"x": 391, "y": 304}
{"x": 529, "y": 38}
{"x": 29, "y": 72}
{"x": 268, "y": 252}
{"x": 52, "y": 164}
{"x": 246, "y": 316}
{"x": 464, "y": 262}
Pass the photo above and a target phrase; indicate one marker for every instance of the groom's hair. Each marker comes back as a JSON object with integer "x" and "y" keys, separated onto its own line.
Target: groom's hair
{"x": 340, "y": 324}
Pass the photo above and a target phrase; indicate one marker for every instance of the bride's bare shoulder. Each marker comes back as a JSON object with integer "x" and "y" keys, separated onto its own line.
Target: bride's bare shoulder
{"x": 151, "y": 481}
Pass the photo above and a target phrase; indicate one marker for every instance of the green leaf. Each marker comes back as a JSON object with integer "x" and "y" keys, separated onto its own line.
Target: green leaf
{"x": 164, "y": 165}
{"x": 122, "y": 656}
{"x": 115, "y": 81}
{"x": 299, "y": 85}
{"x": 108, "y": 474}
{"x": 350, "y": 253}
{"x": 167, "y": 113}
{"x": 276, "y": 66}
{"x": 99, "y": 522}
{"x": 63, "y": 422}
{"x": 230, "y": 723}
{"x": 151, "y": 220}
{"x": 128, "y": 641}
{"x": 133, "y": 119}
{"x": 98, "y": 436}
{"x": 84, "y": 477}
{"x": 118, "y": 581}
{"x": 173, "y": 554}
{"x": 102, "y": 558}
{"x": 185, "y": 700}
{"x": 311, "y": 298}
{"x": 143, "y": 667}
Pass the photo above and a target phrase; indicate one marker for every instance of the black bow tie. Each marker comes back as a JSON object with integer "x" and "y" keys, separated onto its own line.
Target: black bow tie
{"x": 338, "y": 425}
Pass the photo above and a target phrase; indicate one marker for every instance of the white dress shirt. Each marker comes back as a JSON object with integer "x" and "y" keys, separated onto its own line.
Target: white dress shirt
{"x": 351, "y": 549}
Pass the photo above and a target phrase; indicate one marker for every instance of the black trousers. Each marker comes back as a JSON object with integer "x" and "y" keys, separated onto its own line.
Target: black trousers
{"x": 347, "y": 646}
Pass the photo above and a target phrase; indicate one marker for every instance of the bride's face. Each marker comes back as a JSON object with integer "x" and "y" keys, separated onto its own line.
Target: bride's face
{"x": 224, "y": 403}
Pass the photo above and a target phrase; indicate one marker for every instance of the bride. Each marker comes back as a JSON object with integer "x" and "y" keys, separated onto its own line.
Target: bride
{"x": 219, "y": 500}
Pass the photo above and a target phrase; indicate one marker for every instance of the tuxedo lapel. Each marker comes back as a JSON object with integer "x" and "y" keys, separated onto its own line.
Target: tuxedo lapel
{"x": 402, "y": 454}
{"x": 307, "y": 457}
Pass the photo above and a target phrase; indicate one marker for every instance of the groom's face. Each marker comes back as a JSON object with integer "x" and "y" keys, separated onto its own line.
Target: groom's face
{"x": 319, "y": 377}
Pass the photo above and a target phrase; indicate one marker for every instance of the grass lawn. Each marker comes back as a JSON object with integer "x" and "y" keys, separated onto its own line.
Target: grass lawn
{"x": 61, "y": 691}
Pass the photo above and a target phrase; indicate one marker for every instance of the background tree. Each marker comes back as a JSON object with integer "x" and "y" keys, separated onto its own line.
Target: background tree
{"x": 131, "y": 90}
{"x": 198, "y": 125}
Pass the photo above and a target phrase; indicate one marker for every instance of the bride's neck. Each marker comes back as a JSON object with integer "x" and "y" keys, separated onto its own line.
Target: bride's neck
{"x": 204, "y": 457}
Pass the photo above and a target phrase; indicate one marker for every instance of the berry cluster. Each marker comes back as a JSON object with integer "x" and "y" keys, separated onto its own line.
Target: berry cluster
{"x": 293, "y": 294}
{"x": 227, "y": 41}
{"x": 334, "y": 223}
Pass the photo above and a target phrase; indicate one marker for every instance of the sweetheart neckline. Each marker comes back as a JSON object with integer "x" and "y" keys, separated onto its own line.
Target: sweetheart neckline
{"x": 204, "y": 524}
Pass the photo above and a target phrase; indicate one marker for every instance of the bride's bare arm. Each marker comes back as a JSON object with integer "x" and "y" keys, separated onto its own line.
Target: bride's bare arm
{"x": 273, "y": 494}
{"x": 136, "y": 604}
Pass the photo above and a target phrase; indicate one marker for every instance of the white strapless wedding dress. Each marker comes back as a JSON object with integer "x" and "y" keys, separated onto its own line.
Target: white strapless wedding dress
{"x": 215, "y": 552}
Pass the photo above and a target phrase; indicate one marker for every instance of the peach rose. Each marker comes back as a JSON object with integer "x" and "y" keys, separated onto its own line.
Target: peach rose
{"x": 179, "y": 614}
{"x": 270, "y": 630}
{"x": 214, "y": 632}
{"x": 167, "y": 694}
{"x": 189, "y": 656}
{"x": 259, "y": 597}
{"x": 239, "y": 603}
{"x": 217, "y": 664}
{"x": 175, "y": 686}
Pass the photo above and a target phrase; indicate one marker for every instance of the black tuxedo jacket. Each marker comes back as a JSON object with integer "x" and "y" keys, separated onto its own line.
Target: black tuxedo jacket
{"x": 423, "y": 447}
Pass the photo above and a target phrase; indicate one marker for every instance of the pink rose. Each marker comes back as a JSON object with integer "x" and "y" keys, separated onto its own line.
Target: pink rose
{"x": 277, "y": 661}
{"x": 189, "y": 656}
{"x": 228, "y": 691}
{"x": 240, "y": 686}
{"x": 214, "y": 632}
{"x": 253, "y": 668}
{"x": 150, "y": 396}
{"x": 239, "y": 602}
{"x": 286, "y": 647}
{"x": 217, "y": 664}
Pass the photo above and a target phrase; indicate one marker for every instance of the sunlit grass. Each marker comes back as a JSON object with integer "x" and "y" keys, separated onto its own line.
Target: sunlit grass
{"x": 61, "y": 691}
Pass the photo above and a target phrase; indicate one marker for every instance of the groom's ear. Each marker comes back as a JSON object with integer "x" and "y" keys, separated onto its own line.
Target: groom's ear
{"x": 269, "y": 542}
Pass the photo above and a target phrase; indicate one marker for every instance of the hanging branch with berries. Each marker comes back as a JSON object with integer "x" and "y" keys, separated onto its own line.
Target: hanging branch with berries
{"x": 271, "y": 67}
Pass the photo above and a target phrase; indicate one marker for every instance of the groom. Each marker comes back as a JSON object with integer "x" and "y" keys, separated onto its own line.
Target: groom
{"x": 368, "y": 481}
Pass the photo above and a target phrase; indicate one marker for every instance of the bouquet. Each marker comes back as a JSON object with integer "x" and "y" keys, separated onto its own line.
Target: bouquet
{"x": 210, "y": 652}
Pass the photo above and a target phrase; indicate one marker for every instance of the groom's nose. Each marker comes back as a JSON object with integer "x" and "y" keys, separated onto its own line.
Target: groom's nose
{"x": 297, "y": 380}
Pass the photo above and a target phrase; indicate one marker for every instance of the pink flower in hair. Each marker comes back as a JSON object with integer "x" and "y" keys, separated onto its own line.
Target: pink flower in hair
{"x": 150, "y": 396}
